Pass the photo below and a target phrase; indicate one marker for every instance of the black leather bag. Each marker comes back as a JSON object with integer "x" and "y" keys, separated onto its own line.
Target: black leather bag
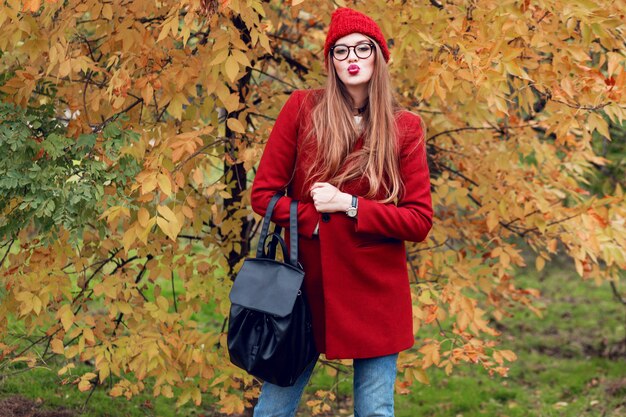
{"x": 269, "y": 328}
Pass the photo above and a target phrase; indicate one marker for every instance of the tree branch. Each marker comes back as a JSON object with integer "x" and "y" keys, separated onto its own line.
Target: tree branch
{"x": 196, "y": 153}
{"x": 617, "y": 294}
{"x": 460, "y": 129}
{"x": 10, "y": 244}
{"x": 143, "y": 270}
{"x": 102, "y": 264}
{"x": 100, "y": 126}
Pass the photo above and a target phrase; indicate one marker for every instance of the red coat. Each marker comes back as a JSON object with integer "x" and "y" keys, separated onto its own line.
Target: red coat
{"x": 356, "y": 278}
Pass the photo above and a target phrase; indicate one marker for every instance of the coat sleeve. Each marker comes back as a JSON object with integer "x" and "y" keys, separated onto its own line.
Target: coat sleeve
{"x": 411, "y": 218}
{"x": 276, "y": 169}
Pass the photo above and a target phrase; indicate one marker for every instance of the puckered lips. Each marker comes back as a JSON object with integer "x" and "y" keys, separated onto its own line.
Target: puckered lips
{"x": 354, "y": 69}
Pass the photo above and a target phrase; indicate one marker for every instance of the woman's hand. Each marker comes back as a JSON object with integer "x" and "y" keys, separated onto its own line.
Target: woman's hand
{"x": 328, "y": 199}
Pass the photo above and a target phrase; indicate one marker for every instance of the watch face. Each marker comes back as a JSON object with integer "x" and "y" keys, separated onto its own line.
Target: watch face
{"x": 351, "y": 212}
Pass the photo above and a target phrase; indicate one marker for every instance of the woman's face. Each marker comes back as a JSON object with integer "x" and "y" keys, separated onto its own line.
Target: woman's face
{"x": 354, "y": 71}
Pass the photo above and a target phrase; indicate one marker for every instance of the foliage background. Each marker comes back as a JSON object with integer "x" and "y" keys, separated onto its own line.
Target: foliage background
{"x": 130, "y": 132}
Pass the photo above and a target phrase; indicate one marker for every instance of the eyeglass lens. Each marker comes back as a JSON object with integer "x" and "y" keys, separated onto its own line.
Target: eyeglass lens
{"x": 363, "y": 51}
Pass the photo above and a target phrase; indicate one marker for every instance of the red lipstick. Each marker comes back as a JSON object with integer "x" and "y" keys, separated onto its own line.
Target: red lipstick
{"x": 354, "y": 69}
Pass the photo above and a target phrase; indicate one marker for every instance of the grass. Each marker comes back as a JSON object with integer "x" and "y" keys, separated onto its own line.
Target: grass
{"x": 44, "y": 385}
{"x": 571, "y": 363}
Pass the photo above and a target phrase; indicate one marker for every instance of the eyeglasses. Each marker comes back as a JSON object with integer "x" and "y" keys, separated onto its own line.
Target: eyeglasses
{"x": 362, "y": 50}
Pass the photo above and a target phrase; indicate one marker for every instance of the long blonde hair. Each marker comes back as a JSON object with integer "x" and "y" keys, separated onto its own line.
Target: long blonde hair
{"x": 336, "y": 132}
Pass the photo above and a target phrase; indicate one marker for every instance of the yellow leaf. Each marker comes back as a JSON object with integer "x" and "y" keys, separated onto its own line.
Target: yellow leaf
{"x": 448, "y": 79}
{"x": 162, "y": 303}
{"x": 66, "y": 316}
{"x": 492, "y": 220}
{"x": 167, "y": 392}
{"x": 186, "y": 32}
{"x": 113, "y": 212}
{"x": 197, "y": 396}
{"x": 57, "y": 346}
{"x": 235, "y": 125}
{"x": 169, "y": 223}
{"x": 231, "y": 68}
{"x": 110, "y": 290}
{"x": 230, "y": 100}
{"x": 105, "y": 371}
{"x": 265, "y": 42}
{"x": 462, "y": 320}
{"x": 508, "y": 355}
{"x": 164, "y": 184}
{"x": 167, "y": 213}
{"x": 184, "y": 397}
{"x": 65, "y": 68}
{"x": 29, "y": 359}
{"x": 539, "y": 263}
{"x": 143, "y": 216}
{"x": 241, "y": 57}
{"x": 164, "y": 225}
{"x": 129, "y": 238}
{"x": 175, "y": 108}
{"x": 579, "y": 267}
{"x": 170, "y": 25}
{"x": 148, "y": 184}
{"x": 88, "y": 335}
{"x": 420, "y": 375}
{"x": 66, "y": 368}
{"x": 37, "y": 304}
{"x": 146, "y": 93}
{"x": 198, "y": 176}
{"x": 84, "y": 385}
{"x": 597, "y": 122}
{"x": 107, "y": 11}
{"x": 219, "y": 57}
{"x": 231, "y": 103}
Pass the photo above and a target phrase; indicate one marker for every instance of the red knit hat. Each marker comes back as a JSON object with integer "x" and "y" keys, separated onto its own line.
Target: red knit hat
{"x": 345, "y": 21}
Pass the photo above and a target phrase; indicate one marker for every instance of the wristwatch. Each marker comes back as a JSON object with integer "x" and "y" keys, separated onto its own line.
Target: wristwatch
{"x": 352, "y": 210}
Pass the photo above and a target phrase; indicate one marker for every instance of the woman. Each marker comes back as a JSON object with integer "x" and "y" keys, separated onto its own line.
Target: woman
{"x": 357, "y": 165}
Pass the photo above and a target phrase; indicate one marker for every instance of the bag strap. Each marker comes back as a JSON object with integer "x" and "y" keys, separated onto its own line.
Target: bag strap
{"x": 274, "y": 240}
{"x": 266, "y": 224}
{"x": 293, "y": 233}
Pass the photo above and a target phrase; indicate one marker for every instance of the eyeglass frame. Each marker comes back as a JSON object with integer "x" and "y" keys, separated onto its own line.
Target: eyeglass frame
{"x": 371, "y": 44}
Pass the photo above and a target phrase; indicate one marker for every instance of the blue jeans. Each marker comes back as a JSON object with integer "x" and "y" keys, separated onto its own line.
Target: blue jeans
{"x": 374, "y": 380}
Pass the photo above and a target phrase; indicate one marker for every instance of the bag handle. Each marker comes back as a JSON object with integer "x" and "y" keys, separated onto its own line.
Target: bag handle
{"x": 266, "y": 224}
{"x": 293, "y": 232}
{"x": 274, "y": 240}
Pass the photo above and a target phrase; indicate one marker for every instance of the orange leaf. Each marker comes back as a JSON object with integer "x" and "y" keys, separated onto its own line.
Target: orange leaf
{"x": 31, "y": 5}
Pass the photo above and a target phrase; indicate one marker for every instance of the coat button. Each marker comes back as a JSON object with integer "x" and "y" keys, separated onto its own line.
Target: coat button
{"x": 325, "y": 217}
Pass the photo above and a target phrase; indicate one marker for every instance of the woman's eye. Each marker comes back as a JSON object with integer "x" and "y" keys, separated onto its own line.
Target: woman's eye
{"x": 341, "y": 51}
{"x": 363, "y": 48}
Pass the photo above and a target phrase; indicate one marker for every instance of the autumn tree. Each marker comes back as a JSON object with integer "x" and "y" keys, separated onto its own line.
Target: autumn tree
{"x": 130, "y": 133}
